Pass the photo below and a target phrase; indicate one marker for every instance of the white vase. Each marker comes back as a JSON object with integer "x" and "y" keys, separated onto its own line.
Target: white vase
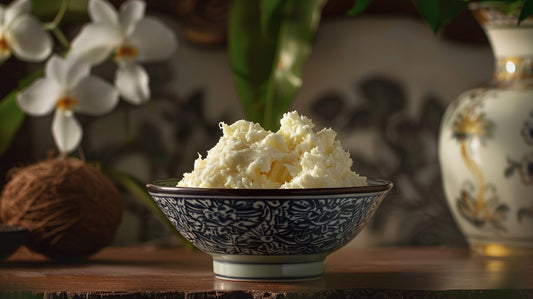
{"x": 486, "y": 143}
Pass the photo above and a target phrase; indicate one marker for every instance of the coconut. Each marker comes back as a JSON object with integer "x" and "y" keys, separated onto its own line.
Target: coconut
{"x": 69, "y": 207}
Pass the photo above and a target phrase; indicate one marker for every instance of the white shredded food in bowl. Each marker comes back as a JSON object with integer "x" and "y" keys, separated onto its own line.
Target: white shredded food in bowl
{"x": 248, "y": 156}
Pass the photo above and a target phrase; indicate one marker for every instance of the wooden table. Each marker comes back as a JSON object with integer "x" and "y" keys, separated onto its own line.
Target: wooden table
{"x": 179, "y": 273}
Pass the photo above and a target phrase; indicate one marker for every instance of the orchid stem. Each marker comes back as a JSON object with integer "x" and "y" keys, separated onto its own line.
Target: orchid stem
{"x": 54, "y": 25}
{"x": 61, "y": 38}
{"x": 59, "y": 16}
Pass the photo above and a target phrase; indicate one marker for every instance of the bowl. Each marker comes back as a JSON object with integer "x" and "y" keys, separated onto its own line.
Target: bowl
{"x": 268, "y": 234}
{"x": 11, "y": 238}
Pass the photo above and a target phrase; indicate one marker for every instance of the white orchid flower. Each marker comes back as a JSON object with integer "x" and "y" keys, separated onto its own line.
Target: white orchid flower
{"x": 67, "y": 87}
{"x": 22, "y": 34}
{"x": 131, "y": 38}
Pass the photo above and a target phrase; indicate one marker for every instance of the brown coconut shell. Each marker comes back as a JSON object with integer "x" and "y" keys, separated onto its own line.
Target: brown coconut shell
{"x": 69, "y": 207}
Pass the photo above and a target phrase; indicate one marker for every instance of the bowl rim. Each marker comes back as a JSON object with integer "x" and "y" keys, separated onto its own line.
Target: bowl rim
{"x": 8, "y": 228}
{"x": 168, "y": 186}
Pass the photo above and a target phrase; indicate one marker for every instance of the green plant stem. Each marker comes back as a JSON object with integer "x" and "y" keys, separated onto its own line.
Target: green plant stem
{"x": 54, "y": 25}
{"x": 59, "y": 16}
{"x": 61, "y": 38}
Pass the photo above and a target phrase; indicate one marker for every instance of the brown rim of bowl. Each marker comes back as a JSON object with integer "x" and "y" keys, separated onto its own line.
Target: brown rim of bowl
{"x": 168, "y": 186}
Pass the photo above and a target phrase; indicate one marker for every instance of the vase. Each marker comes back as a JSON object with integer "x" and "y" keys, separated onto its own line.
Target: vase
{"x": 486, "y": 143}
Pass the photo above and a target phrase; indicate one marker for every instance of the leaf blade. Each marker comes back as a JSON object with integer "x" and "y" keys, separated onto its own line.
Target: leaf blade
{"x": 265, "y": 89}
{"x": 438, "y": 13}
{"x": 11, "y": 119}
{"x": 358, "y": 7}
{"x": 248, "y": 73}
{"x": 527, "y": 10}
{"x": 11, "y": 116}
{"x": 269, "y": 11}
{"x": 288, "y": 66}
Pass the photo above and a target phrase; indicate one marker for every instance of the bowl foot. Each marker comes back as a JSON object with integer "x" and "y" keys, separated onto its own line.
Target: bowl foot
{"x": 268, "y": 271}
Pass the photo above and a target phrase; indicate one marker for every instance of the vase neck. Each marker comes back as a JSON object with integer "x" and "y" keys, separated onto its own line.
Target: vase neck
{"x": 512, "y": 44}
{"x": 513, "y": 51}
{"x": 510, "y": 41}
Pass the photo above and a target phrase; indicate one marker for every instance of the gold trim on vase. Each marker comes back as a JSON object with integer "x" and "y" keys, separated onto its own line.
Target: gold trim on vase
{"x": 513, "y": 68}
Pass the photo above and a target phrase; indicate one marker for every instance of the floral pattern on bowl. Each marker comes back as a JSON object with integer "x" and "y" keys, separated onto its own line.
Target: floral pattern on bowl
{"x": 260, "y": 229}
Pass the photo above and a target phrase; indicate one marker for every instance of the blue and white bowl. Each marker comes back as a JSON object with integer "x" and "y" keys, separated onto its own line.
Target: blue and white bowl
{"x": 268, "y": 234}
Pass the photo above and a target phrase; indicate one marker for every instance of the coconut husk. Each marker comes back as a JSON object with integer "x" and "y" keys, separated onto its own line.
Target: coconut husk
{"x": 69, "y": 207}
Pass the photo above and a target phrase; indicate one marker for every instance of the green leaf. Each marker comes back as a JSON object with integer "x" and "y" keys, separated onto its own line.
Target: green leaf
{"x": 137, "y": 188}
{"x": 269, "y": 15}
{"x": 268, "y": 44}
{"x": 359, "y": 7}
{"x": 527, "y": 10}
{"x": 513, "y": 5}
{"x": 439, "y": 12}
{"x": 11, "y": 118}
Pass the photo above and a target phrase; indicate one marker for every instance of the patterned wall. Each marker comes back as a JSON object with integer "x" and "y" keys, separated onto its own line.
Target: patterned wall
{"x": 382, "y": 83}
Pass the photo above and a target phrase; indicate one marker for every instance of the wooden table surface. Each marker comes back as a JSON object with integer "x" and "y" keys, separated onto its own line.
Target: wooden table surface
{"x": 179, "y": 273}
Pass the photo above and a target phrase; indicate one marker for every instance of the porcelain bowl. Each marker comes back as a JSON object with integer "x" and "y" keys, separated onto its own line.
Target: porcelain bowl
{"x": 268, "y": 234}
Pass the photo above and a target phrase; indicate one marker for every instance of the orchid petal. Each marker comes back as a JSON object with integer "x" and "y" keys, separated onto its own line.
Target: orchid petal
{"x": 154, "y": 40}
{"x": 95, "y": 42}
{"x": 28, "y": 40}
{"x": 67, "y": 72}
{"x": 95, "y": 96}
{"x": 132, "y": 83}
{"x": 39, "y": 98}
{"x": 66, "y": 130}
{"x": 131, "y": 12}
{"x": 103, "y": 12}
{"x": 15, "y": 10}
